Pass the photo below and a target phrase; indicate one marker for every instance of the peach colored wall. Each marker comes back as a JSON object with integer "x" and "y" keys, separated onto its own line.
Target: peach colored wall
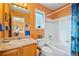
{"x": 42, "y": 8}
{"x": 31, "y": 17}
{"x": 1, "y": 18}
{"x": 4, "y": 9}
{"x": 6, "y": 23}
{"x": 64, "y": 12}
{"x": 28, "y": 18}
{"x": 33, "y": 7}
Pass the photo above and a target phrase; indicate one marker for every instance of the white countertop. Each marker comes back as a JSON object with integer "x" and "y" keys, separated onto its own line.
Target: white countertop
{"x": 16, "y": 44}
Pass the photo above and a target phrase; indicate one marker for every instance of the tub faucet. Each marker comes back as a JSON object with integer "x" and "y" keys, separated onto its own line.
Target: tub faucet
{"x": 50, "y": 36}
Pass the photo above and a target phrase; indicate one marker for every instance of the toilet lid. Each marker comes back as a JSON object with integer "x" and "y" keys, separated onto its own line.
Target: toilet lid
{"x": 47, "y": 49}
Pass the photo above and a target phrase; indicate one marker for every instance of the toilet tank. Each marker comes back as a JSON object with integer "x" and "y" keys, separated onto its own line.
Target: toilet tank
{"x": 40, "y": 42}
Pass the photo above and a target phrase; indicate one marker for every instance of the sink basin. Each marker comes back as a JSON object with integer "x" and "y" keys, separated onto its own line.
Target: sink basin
{"x": 19, "y": 42}
{"x": 16, "y": 42}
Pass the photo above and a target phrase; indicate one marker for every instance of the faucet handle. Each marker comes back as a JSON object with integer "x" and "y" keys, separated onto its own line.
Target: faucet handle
{"x": 50, "y": 36}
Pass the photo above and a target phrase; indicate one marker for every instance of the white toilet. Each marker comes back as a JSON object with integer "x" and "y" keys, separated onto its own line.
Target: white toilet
{"x": 46, "y": 50}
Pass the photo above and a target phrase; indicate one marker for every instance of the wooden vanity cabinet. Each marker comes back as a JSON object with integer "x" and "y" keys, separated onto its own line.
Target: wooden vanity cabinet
{"x": 29, "y": 50}
{"x": 13, "y": 52}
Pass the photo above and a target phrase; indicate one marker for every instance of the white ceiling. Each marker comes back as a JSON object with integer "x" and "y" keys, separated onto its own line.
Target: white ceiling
{"x": 53, "y": 6}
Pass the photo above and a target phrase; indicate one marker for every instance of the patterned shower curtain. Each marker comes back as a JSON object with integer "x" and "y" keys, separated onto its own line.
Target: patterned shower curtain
{"x": 75, "y": 30}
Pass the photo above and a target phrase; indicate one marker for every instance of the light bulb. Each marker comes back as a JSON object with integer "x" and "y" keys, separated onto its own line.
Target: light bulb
{"x": 20, "y": 3}
{"x": 14, "y": 5}
{"x": 25, "y": 4}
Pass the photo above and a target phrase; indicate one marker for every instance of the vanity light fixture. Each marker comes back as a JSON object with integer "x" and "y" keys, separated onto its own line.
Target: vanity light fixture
{"x": 14, "y": 5}
{"x": 20, "y": 3}
{"x": 19, "y": 8}
{"x": 25, "y": 4}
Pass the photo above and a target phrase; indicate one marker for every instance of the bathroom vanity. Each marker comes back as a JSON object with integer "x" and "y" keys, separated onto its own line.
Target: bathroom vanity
{"x": 25, "y": 47}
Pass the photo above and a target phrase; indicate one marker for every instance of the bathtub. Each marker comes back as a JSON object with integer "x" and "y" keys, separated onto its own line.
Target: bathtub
{"x": 59, "y": 49}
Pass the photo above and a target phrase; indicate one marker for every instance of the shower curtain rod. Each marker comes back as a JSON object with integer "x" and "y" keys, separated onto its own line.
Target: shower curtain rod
{"x": 59, "y": 9}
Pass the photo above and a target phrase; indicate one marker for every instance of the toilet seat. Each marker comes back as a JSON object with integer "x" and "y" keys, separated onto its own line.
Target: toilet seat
{"x": 47, "y": 51}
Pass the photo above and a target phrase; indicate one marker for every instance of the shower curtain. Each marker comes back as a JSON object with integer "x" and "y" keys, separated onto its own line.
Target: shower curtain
{"x": 75, "y": 30}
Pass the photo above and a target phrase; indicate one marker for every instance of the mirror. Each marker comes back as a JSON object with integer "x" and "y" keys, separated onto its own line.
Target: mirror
{"x": 20, "y": 23}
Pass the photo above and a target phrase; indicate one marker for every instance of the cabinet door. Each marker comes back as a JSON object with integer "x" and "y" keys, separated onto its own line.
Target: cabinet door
{"x": 10, "y": 53}
{"x": 29, "y": 50}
